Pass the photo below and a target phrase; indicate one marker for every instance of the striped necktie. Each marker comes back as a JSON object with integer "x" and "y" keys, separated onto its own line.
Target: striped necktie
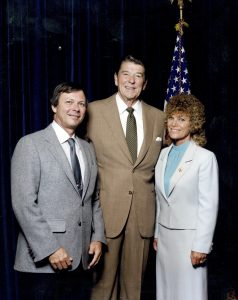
{"x": 75, "y": 165}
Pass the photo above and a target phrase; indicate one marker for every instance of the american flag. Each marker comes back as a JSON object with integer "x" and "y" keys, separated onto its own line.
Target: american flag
{"x": 178, "y": 82}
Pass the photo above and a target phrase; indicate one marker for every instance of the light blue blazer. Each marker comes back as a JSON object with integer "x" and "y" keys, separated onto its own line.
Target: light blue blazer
{"x": 192, "y": 201}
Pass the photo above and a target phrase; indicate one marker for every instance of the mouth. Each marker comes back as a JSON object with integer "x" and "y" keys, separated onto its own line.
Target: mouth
{"x": 130, "y": 88}
{"x": 74, "y": 116}
{"x": 174, "y": 130}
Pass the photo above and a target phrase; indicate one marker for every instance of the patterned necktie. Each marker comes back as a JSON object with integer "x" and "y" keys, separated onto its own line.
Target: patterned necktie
{"x": 75, "y": 165}
{"x": 131, "y": 133}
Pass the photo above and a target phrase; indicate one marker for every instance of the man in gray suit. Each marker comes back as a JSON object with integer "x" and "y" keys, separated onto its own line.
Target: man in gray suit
{"x": 61, "y": 225}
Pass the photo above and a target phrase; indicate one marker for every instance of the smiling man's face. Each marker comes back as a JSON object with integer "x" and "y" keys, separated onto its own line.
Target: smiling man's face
{"x": 130, "y": 81}
{"x": 70, "y": 111}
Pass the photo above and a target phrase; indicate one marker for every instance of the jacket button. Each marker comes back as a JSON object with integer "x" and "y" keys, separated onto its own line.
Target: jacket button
{"x": 130, "y": 192}
{"x": 79, "y": 223}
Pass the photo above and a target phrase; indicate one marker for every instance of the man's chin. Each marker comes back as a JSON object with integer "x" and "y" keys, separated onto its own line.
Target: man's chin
{"x": 131, "y": 99}
{"x": 78, "y": 122}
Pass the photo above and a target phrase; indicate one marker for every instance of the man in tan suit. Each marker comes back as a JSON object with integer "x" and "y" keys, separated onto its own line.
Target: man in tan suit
{"x": 126, "y": 188}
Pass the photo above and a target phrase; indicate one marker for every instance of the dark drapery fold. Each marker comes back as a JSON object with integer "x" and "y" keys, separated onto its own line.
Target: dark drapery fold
{"x": 46, "y": 42}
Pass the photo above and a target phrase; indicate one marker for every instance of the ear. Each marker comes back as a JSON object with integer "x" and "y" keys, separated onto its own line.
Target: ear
{"x": 115, "y": 79}
{"x": 144, "y": 85}
{"x": 54, "y": 108}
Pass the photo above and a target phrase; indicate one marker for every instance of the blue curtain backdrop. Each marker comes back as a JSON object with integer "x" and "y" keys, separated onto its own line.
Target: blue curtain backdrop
{"x": 46, "y": 42}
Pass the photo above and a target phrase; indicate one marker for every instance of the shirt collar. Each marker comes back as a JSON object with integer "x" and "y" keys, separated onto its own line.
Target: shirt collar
{"x": 61, "y": 134}
{"x": 122, "y": 105}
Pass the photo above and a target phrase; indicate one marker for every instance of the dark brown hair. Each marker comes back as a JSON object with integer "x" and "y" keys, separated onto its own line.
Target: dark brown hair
{"x": 64, "y": 87}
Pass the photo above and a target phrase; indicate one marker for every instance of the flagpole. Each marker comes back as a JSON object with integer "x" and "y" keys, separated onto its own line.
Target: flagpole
{"x": 178, "y": 80}
{"x": 181, "y": 6}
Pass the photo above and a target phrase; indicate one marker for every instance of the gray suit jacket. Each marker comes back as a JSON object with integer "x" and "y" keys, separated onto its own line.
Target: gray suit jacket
{"x": 47, "y": 205}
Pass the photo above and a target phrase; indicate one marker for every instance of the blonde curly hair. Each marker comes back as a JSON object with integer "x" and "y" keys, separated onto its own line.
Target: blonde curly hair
{"x": 192, "y": 107}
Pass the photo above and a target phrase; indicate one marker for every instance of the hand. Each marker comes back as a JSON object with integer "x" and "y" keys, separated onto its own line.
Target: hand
{"x": 198, "y": 258}
{"x": 155, "y": 244}
{"x": 60, "y": 259}
{"x": 95, "y": 249}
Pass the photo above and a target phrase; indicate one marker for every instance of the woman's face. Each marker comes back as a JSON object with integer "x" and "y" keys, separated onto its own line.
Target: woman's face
{"x": 178, "y": 125}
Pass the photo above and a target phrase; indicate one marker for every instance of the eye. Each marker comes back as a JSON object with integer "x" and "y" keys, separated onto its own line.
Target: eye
{"x": 68, "y": 101}
{"x": 83, "y": 104}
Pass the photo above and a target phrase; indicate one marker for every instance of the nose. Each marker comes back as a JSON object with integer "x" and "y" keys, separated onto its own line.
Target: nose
{"x": 174, "y": 122}
{"x": 131, "y": 79}
{"x": 76, "y": 107}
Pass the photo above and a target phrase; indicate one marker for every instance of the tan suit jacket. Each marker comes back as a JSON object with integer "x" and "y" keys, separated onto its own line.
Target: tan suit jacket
{"x": 120, "y": 180}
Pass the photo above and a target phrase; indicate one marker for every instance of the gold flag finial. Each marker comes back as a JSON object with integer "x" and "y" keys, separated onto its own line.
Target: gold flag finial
{"x": 180, "y": 5}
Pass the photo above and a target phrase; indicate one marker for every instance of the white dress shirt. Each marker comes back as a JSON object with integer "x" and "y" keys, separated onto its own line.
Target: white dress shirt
{"x": 63, "y": 137}
{"x": 123, "y": 113}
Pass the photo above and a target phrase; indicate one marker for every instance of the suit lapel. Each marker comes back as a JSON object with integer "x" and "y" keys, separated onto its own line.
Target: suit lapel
{"x": 111, "y": 115}
{"x": 110, "y": 112}
{"x": 56, "y": 150}
{"x": 161, "y": 170}
{"x": 148, "y": 132}
{"x": 87, "y": 160}
{"x": 183, "y": 166}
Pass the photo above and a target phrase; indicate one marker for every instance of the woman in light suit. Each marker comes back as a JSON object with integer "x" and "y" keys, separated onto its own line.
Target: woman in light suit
{"x": 186, "y": 177}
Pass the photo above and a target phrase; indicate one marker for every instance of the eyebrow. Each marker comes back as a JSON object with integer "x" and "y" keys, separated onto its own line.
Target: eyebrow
{"x": 70, "y": 98}
{"x": 136, "y": 73}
